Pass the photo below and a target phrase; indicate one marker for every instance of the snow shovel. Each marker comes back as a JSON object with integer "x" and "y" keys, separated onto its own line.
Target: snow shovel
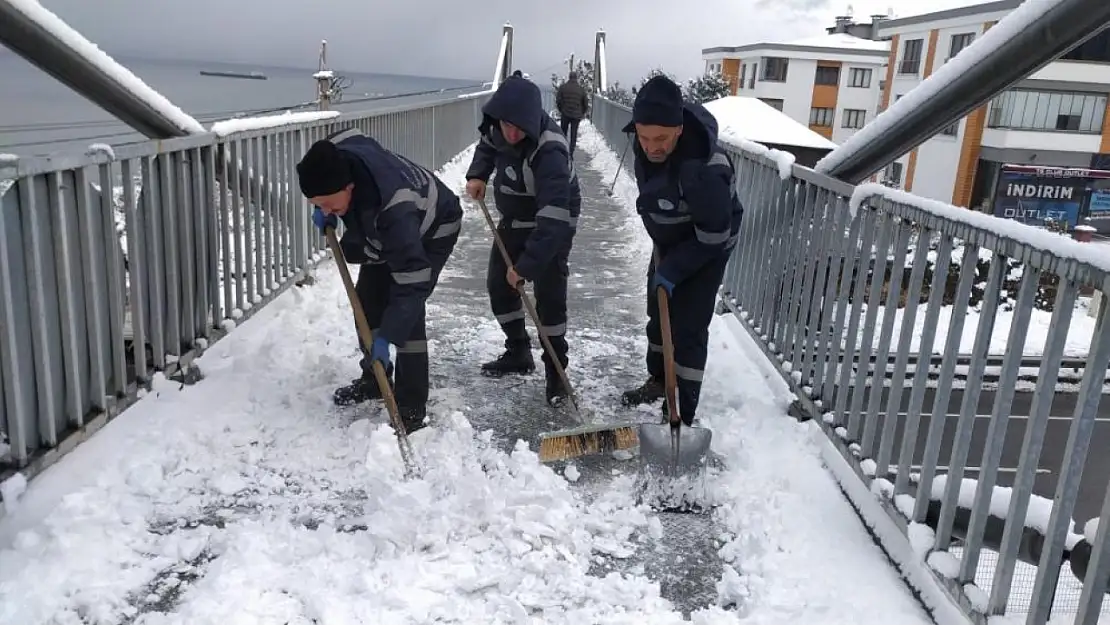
{"x": 576, "y": 442}
{"x": 672, "y": 445}
{"x": 367, "y": 338}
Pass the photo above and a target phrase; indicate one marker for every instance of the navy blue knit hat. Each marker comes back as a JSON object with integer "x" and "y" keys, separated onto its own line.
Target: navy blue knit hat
{"x": 658, "y": 103}
{"x": 322, "y": 170}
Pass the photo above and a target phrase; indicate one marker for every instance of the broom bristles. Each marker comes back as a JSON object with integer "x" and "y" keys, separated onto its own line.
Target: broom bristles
{"x": 587, "y": 440}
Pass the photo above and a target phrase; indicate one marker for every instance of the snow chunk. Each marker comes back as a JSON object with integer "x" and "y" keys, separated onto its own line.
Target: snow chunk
{"x": 53, "y": 24}
{"x": 101, "y": 148}
{"x": 742, "y": 117}
{"x": 11, "y": 490}
{"x": 944, "y": 563}
{"x": 1090, "y": 530}
{"x": 8, "y": 159}
{"x": 979, "y": 599}
{"x": 571, "y": 473}
{"x": 1015, "y": 22}
{"x": 1030, "y": 235}
{"x": 244, "y": 124}
{"x": 324, "y": 73}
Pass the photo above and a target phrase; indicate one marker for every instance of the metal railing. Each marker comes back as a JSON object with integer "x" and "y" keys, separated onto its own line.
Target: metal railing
{"x": 847, "y": 289}
{"x": 119, "y": 264}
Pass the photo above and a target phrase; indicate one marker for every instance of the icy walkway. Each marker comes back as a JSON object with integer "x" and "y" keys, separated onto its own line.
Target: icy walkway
{"x": 249, "y": 499}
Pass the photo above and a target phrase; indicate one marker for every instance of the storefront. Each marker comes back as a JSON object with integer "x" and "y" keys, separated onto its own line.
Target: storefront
{"x": 1034, "y": 194}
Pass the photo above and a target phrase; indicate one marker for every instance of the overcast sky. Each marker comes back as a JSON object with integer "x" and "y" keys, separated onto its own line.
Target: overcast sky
{"x": 457, "y": 38}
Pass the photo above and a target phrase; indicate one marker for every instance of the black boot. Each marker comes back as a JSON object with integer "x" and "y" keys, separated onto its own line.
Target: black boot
{"x": 358, "y": 391}
{"x": 648, "y": 393}
{"x": 413, "y": 417}
{"x": 517, "y": 359}
{"x": 556, "y": 391}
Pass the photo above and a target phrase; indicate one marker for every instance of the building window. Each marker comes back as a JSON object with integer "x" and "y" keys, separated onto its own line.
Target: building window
{"x": 854, "y": 118}
{"x": 821, "y": 116}
{"x": 774, "y": 69}
{"x": 751, "y": 81}
{"x": 859, "y": 77}
{"x": 911, "y": 57}
{"x": 951, "y": 130}
{"x": 959, "y": 42}
{"x": 894, "y": 173}
{"x": 743, "y": 76}
{"x": 1094, "y": 50}
{"x": 827, "y": 76}
{"x": 1048, "y": 111}
{"x": 773, "y": 103}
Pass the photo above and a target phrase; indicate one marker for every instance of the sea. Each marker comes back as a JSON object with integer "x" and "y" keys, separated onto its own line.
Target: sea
{"x": 39, "y": 115}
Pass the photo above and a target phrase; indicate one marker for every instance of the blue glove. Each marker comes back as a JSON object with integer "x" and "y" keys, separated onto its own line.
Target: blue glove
{"x": 322, "y": 221}
{"x": 660, "y": 281}
{"x": 379, "y": 351}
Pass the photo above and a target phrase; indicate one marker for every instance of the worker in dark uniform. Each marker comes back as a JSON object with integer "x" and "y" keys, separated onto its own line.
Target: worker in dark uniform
{"x": 401, "y": 224}
{"x": 538, "y": 196}
{"x": 690, "y": 209}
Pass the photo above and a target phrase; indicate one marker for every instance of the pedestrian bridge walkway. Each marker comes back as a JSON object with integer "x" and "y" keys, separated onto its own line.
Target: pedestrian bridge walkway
{"x": 249, "y": 498}
{"x": 171, "y": 330}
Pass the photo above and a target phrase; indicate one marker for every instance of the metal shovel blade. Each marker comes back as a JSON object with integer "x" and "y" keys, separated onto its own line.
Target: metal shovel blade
{"x": 658, "y": 446}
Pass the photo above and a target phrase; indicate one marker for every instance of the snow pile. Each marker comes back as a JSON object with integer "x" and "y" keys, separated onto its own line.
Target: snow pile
{"x": 784, "y": 161}
{"x": 742, "y": 117}
{"x": 1039, "y": 238}
{"x": 244, "y": 124}
{"x": 51, "y": 23}
{"x": 1015, "y": 22}
{"x": 101, "y": 148}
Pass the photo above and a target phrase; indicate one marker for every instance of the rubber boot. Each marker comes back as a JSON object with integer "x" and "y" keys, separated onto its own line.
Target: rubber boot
{"x": 555, "y": 390}
{"x": 413, "y": 417}
{"x": 517, "y": 359}
{"x": 647, "y": 393}
{"x": 358, "y": 391}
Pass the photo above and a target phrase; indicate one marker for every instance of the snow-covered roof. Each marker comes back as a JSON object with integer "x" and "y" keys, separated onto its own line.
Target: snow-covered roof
{"x": 752, "y": 119}
{"x": 842, "y": 41}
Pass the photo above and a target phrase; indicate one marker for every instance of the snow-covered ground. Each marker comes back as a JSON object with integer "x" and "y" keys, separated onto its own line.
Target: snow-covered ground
{"x": 246, "y": 499}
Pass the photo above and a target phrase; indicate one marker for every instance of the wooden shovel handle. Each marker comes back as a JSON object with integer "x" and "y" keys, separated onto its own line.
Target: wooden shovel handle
{"x": 670, "y": 378}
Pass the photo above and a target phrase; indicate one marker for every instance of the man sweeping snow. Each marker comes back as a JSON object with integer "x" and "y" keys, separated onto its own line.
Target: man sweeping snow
{"x": 691, "y": 212}
{"x": 401, "y": 224}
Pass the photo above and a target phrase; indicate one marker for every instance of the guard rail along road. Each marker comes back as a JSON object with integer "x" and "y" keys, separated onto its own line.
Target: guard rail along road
{"x": 846, "y": 288}
{"x": 125, "y": 262}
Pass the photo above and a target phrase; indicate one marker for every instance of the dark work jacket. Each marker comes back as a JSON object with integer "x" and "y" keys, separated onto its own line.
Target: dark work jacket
{"x": 571, "y": 100}
{"x": 398, "y": 209}
{"x": 688, "y": 203}
{"x": 535, "y": 186}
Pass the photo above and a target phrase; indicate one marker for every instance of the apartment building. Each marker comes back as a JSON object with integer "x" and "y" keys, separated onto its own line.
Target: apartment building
{"x": 830, "y": 83}
{"x": 1038, "y": 150}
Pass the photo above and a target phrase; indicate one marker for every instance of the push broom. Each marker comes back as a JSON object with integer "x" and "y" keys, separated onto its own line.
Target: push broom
{"x": 565, "y": 444}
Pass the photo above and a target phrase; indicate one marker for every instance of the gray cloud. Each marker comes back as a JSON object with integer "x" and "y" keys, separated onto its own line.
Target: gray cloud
{"x": 445, "y": 37}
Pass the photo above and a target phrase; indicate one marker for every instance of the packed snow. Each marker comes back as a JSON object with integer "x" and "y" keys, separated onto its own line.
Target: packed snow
{"x": 244, "y": 124}
{"x": 53, "y": 24}
{"x": 244, "y": 499}
{"x": 1015, "y": 22}
{"x": 742, "y": 117}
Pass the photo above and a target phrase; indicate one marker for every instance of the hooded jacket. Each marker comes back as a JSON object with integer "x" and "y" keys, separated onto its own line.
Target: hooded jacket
{"x": 688, "y": 203}
{"x": 398, "y": 210}
{"x": 535, "y": 186}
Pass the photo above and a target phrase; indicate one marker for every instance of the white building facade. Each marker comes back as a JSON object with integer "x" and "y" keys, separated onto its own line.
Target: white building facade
{"x": 1057, "y": 118}
{"x": 829, "y": 83}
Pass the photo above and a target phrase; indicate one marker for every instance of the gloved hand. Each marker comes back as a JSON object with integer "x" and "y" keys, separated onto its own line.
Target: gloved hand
{"x": 322, "y": 221}
{"x": 659, "y": 281}
{"x": 379, "y": 351}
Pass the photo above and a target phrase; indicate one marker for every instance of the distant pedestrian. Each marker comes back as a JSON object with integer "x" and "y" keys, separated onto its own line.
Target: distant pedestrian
{"x": 573, "y": 103}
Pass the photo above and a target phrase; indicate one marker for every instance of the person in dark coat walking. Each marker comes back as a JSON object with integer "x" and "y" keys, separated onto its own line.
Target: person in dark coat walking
{"x": 538, "y": 196}
{"x": 690, "y": 209}
{"x": 573, "y": 103}
{"x": 401, "y": 224}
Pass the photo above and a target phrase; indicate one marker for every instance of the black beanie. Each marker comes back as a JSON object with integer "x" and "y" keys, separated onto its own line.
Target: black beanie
{"x": 658, "y": 103}
{"x": 322, "y": 170}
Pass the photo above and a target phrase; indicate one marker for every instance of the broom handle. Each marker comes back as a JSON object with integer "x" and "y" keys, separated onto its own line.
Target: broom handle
{"x": 669, "y": 375}
{"x": 531, "y": 308}
{"x": 367, "y": 336}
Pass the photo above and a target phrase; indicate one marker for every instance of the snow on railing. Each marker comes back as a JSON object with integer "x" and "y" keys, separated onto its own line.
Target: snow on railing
{"x": 94, "y": 55}
{"x": 263, "y": 122}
